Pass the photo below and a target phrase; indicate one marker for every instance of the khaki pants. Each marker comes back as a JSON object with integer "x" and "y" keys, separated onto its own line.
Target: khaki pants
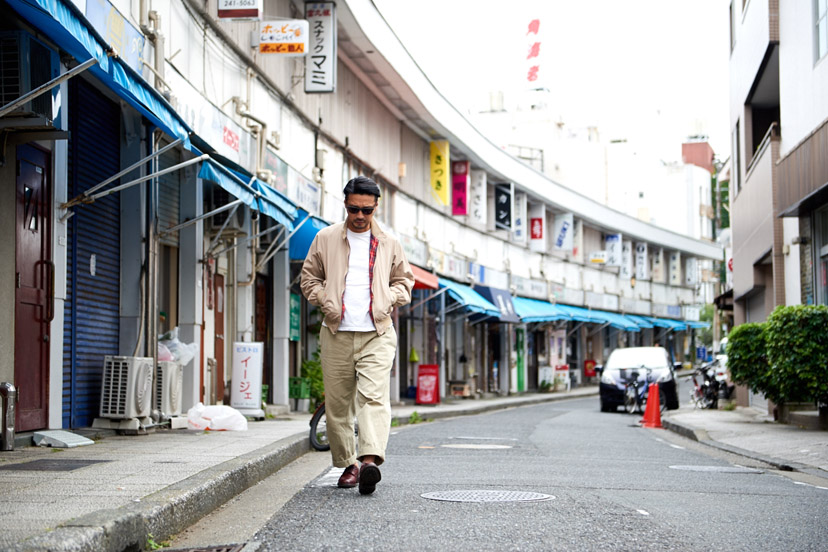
{"x": 357, "y": 363}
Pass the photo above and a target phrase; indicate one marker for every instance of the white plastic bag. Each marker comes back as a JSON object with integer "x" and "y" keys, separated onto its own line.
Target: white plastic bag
{"x": 182, "y": 353}
{"x": 217, "y": 417}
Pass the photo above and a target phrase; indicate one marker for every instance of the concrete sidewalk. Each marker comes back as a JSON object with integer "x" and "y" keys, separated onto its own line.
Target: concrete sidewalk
{"x": 113, "y": 494}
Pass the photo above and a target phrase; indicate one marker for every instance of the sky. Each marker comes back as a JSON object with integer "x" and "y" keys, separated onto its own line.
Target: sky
{"x": 649, "y": 71}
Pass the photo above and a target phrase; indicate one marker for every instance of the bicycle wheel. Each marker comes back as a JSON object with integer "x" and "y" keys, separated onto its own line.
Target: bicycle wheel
{"x": 319, "y": 430}
{"x": 630, "y": 399}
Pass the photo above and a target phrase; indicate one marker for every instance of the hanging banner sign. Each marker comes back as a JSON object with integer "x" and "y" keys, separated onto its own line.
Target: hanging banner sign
{"x": 691, "y": 271}
{"x": 284, "y": 38}
{"x": 320, "y": 63}
{"x": 440, "y": 164}
{"x": 520, "y": 224}
{"x": 612, "y": 245}
{"x": 626, "y": 271}
{"x": 563, "y": 232}
{"x": 504, "y": 206}
{"x": 295, "y": 317}
{"x": 658, "y": 266}
{"x": 578, "y": 241}
{"x": 477, "y": 201}
{"x": 537, "y": 227}
{"x": 642, "y": 265}
{"x": 675, "y": 268}
{"x": 118, "y": 31}
{"x": 460, "y": 188}
{"x": 239, "y": 9}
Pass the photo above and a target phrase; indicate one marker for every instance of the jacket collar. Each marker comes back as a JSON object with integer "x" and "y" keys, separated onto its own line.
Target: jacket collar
{"x": 376, "y": 230}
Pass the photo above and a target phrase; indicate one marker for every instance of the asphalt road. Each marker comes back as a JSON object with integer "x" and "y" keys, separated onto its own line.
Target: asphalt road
{"x": 611, "y": 485}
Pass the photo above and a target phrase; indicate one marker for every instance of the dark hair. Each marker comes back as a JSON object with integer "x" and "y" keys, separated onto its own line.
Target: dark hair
{"x": 361, "y": 185}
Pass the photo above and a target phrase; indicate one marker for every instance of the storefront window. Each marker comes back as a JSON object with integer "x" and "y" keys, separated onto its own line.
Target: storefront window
{"x": 821, "y": 272}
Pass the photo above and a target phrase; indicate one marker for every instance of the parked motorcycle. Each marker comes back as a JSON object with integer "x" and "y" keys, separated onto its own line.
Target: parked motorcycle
{"x": 714, "y": 385}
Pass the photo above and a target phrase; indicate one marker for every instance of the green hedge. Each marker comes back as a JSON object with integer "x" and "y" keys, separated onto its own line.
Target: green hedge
{"x": 796, "y": 340}
{"x": 747, "y": 359}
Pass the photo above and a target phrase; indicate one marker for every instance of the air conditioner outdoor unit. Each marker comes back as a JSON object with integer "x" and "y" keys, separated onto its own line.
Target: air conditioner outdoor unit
{"x": 127, "y": 387}
{"x": 25, "y": 64}
{"x": 169, "y": 382}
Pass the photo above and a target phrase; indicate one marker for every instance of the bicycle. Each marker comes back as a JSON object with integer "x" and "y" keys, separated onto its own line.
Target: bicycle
{"x": 636, "y": 392}
{"x": 319, "y": 429}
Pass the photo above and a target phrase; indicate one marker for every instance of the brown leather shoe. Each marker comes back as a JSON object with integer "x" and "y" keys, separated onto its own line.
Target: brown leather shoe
{"x": 349, "y": 477}
{"x": 369, "y": 476}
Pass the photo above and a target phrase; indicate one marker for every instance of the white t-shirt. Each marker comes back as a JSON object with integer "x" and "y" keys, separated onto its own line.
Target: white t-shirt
{"x": 357, "y": 297}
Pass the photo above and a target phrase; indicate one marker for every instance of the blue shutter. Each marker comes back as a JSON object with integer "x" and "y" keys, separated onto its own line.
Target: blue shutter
{"x": 92, "y": 301}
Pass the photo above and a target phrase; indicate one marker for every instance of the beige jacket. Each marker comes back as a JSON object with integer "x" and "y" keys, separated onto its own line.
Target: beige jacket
{"x": 325, "y": 268}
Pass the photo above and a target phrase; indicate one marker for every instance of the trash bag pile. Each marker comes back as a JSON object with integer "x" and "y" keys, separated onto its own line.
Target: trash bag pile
{"x": 171, "y": 348}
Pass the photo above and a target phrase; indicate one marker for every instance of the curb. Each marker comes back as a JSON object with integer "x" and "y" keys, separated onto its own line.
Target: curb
{"x": 701, "y": 436}
{"x": 170, "y": 510}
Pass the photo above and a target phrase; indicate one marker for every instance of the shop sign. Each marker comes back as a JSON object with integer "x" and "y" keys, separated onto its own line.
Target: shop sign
{"x": 460, "y": 188}
{"x": 562, "y": 232}
{"x": 626, "y": 271}
{"x": 217, "y": 129}
{"x": 578, "y": 241}
{"x": 666, "y": 311}
{"x": 675, "y": 268}
{"x": 477, "y": 200}
{"x": 117, "y": 30}
{"x": 659, "y": 275}
{"x": 287, "y": 38}
{"x": 529, "y": 287}
{"x": 537, "y": 227}
{"x": 488, "y": 276}
{"x": 303, "y": 192}
{"x": 565, "y": 295}
{"x": 278, "y": 169}
{"x": 440, "y": 178}
{"x": 415, "y": 250}
{"x": 601, "y": 301}
{"x": 246, "y": 391}
{"x": 295, "y": 316}
{"x": 612, "y": 245}
{"x": 504, "y": 206}
{"x": 634, "y": 306}
{"x": 598, "y": 257}
{"x": 320, "y": 63}
{"x": 239, "y": 9}
{"x": 452, "y": 266}
{"x": 692, "y": 313}
{"x": 642, "y": 265}
{"x": 691, "y": 271}
{"x": 520, "y": 225}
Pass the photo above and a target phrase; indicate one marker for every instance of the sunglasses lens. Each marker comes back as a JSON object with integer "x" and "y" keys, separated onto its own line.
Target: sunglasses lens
{"x": 365, "y": 210}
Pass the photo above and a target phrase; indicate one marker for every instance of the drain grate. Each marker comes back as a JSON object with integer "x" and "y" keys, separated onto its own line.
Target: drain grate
{"x": 487, "y": 496}
{"x": 716, "y": 469}
{"x": 222, "y": 548}
{"x": 48, "y": 464}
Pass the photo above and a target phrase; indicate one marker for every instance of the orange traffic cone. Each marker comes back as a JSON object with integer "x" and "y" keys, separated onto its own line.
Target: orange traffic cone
{"x": 652, "y": 414}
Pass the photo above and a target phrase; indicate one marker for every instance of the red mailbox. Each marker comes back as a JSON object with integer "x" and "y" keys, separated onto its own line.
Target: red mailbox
{"x": 428, "y": 384}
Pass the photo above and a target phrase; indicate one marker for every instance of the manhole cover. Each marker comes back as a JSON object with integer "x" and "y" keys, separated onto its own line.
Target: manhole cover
{"x": 47, "y": 464}
{"x": 716, "y": 469}
{"x": 487, "y": 496}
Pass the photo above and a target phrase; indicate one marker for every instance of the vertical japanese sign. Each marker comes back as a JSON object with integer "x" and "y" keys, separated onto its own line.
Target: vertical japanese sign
{"x": 320, "y": 63}
{"x": 533, "y": 44}
{"x": 460, "y": 188}
{"x": 440, "y": 164}
{"x": 504, "y": 206}
{"x": 537, "y": 227}
{"x": 246, "y": 392}
{"x": 519, "y": 219}
{"x": 626, "y": 271}
{"x": 239, "y": 9}
{"x": 675, "y": 268}
{"x": 612, "y": 245}
{"x": 563, "y": 232}
{"x": 578, "y": 241}
{"x": 295, "y": 316}
{"x": 691, "y": 271}
{"x": 642, "y": 262}
{"x": 285, "y": 38}
{"x": 477, "y": 202}
{"x": 658, "y": 274}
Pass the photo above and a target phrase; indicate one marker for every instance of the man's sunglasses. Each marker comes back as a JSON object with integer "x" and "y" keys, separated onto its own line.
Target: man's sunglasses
{"x": 354, "y": 209}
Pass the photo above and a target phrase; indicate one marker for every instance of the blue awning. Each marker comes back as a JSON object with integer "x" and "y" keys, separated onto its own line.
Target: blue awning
{"x": 696, "y": 325}
{"x": 533, "y": 310}
{"x": 61, "y": 21}
{"x": 305, "y": 232}
{"x": 581, "y": 314}
{"x": 620, "y": 321}
{"x": 502, "y": 299}
{"x": 640, "y": 320}
{"x": 675, "y": 325}
{"x": 214, "y": 172}
{"x": 470, "y": 299}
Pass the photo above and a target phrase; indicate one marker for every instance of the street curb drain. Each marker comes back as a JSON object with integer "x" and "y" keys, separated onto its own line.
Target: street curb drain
{"x": 717, "y": 469}
{"x": 487, "y": 496}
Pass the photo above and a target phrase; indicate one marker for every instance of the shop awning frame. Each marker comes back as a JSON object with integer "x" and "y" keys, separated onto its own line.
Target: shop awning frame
{"x": 46, "y": 86}
{"x": 535, "y": 310}
{"x": 470, "y": 299}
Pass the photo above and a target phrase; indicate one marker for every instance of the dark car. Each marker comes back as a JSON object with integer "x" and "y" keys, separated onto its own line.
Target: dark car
{"x": 623, "y": 362}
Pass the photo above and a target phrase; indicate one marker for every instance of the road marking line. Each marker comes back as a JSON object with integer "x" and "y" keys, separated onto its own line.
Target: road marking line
{"x": 643, "y": 512}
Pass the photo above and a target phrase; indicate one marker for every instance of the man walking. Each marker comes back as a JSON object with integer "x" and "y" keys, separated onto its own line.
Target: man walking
{"x": 357, "y": 274}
